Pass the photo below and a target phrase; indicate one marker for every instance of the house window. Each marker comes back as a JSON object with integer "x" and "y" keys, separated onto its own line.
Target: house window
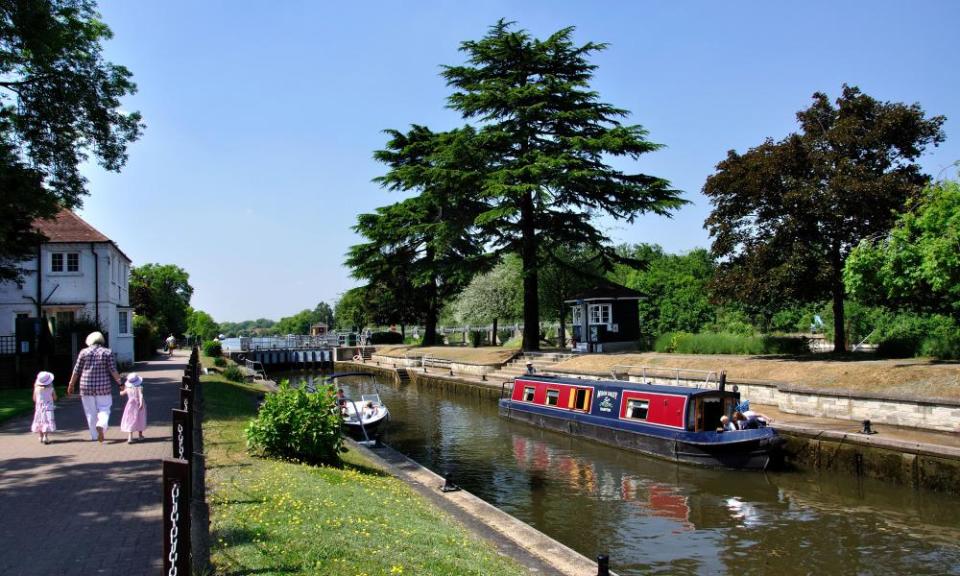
{"x": 599, "y": 314}
{"x": 553, "y": 397}
{"x": 65, "y": 262}
{"x": 577, "y": 315}
{"x": 528, "y": 394}
{"x": 637, "y": 409}
{"x": 124, "y": 317}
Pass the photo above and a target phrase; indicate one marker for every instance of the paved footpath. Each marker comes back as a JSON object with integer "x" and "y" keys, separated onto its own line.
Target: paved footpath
{"x": 76, "y": 507}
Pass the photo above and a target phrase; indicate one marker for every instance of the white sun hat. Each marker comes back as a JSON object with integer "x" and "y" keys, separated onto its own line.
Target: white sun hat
{"x": 44, "y": 379}
{"x": 133, "y": 379}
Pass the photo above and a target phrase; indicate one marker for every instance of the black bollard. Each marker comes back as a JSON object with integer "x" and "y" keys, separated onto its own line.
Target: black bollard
{"x": 448, "y": 485}
{"x": 603, "y": 565}
{"x": 867, "y": 429}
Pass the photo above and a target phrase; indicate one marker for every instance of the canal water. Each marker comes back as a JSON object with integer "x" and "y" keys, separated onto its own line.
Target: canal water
{"x": 654, "y": 517}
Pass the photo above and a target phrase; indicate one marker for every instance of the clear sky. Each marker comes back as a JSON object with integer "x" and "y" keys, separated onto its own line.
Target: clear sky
{"x": 262, "y": 117}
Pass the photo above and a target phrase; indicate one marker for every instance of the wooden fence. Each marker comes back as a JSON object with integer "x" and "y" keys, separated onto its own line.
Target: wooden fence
{"x": 186, "y": 516}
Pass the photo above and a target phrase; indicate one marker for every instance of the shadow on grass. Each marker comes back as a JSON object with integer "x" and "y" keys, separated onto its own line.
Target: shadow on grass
{"x": 266, "y": 570}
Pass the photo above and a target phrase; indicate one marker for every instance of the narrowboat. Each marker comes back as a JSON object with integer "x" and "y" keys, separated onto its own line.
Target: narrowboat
{"x": 673, "y": 422}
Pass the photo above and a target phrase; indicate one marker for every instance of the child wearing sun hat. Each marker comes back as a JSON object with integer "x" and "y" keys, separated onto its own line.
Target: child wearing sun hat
{"x": 43, "y": 398}
{"x": 135, "y": 412}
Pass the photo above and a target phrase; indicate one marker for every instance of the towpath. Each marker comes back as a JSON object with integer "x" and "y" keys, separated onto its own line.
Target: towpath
{"x": 76, "y": 507}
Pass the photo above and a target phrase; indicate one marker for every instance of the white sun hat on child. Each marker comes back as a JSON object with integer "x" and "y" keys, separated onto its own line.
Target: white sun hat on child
{"x": 133, "y": 379}
{"x": 44, "y": 379}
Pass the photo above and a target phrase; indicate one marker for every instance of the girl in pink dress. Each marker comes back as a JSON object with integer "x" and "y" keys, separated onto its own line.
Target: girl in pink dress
{"x": 43, "y": 398}
{"x": 135, "y": 412}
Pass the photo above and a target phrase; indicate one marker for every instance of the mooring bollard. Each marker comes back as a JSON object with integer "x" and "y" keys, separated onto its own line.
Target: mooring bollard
{"x": 603, "y": 565}
{"x": 448, "y": 485}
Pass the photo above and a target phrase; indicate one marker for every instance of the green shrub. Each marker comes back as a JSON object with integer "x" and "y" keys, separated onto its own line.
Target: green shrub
{"x": 146, "y": 339}
{"x": 386, "y": 338}
{"x": 504, "y": 336}
{"x": 785, "y": 345}
{"x": 219, "y": 361}
{"x": 234, "y": 373}
{"x": 476, "y": 338}
{"x": 213, "y": 349}
{"x": 296, "y": 425}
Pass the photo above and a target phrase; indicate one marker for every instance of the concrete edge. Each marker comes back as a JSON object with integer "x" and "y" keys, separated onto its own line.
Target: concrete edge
{"x": 875, "y": 440}
{"x": 524, "y": 540}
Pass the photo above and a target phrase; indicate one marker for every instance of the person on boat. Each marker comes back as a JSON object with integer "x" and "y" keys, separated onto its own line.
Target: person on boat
{"x": 341, "y": 401}
{"x": 750, "y": 420}
{"x": 726, "y": 425}
{"x": 369, "y": 411}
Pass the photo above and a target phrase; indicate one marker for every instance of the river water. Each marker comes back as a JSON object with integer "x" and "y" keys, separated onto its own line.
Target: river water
{"x": 654, "y": 517}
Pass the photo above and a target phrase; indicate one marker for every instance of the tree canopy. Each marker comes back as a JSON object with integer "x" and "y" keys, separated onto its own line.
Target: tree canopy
{"x": 301, "y": 322}
{"x": 787, "y": 213}
{"x": 59, "y": 104}
{"x": 162, "y": 292}
{"x": 201, "y": 325}
{"x": 492, "y": 296}
{"x": 423, "y": 250}
{"x": 547, "y": 138}
{"x": 917, "y": 265}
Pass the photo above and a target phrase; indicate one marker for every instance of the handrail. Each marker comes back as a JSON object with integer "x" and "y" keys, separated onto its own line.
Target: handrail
{"x": 710, "y": 375}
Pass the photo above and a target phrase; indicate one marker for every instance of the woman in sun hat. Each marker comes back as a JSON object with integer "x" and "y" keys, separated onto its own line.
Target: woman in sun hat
{"x": 43, "y": 398}
{"x": 135, "y": 412}
{"x": 96, "y": 368}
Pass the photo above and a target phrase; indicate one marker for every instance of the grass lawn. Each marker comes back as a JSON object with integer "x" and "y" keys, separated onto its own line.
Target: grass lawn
{"x": 273, "y": 517}
{"x": 17, "y": 401}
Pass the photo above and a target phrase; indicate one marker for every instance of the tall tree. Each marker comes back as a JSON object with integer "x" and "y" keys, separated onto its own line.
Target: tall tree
{"x": 59, "y": 103}
{"x": 162, "y": 293}
{"x": 786, "y": 214}
{"x": 423, "y": 250}
{"x": 917, "y": 265}
{"x": 547, "y": 137}
{"x": 350, "y": 309}
{"x": 201, "y": 325}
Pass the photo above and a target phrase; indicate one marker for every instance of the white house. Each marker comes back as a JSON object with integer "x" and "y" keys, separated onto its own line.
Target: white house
{"x": 77, "y": 273}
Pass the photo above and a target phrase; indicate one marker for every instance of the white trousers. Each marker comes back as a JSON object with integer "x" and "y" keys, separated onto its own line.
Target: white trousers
{"x": 97, "y": 409}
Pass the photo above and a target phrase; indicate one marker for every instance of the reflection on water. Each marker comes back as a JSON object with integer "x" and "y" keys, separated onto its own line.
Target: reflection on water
{"x": 653, "y": 517}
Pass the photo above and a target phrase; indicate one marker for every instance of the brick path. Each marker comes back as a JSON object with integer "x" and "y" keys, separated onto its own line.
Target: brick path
{"x": 76, "y": 507}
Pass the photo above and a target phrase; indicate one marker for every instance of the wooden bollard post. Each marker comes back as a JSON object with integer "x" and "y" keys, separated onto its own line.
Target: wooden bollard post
{"x": 186, "y": 399}
{"x": 603, "y": 565}
{"x": 176, "y": 517}
{"x": 182, "y": 435}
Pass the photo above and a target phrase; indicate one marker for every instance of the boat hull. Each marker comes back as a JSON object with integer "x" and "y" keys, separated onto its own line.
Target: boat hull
{"x": 372, "y": 426}
{"x": 747, "y": 449}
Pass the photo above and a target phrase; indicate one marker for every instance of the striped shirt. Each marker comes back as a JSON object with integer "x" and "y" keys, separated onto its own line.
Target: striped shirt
{"x": 95, "y": 365}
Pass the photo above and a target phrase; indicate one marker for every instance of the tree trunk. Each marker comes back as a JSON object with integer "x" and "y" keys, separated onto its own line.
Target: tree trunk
{"x": 528, "y": 252}
{"x": 562, "y": 331}
{"x": 430, "y": 327}
{"x": 403, "y": 330}
{"x": 839, "y": 327}
{"x": 493, "y": 337}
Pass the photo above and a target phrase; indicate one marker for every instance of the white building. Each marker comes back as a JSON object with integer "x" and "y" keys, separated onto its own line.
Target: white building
{"x": 77, "y": 273}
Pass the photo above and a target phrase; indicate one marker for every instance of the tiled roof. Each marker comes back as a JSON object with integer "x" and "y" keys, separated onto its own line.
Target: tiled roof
{"x": 68, "y": 227}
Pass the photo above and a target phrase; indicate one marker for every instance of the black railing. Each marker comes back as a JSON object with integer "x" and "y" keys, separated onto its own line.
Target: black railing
{"x": 186, "y": 517}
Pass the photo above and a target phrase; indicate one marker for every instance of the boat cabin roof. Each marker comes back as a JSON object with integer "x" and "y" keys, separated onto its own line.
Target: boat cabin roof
{"x": 622, "y": 384}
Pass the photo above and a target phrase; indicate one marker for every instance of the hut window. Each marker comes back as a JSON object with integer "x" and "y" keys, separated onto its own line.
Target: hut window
{"x": 599, "y": 313}
{"x": 553, "y": 397}
{"x": 637, "y": 409}
{"x": 528, "y": 393}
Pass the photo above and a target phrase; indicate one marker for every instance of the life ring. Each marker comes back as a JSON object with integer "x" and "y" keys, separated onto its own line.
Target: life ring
{"x": 358, "y": 358}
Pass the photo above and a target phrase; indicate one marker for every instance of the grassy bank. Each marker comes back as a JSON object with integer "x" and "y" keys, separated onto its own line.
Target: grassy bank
{"x": 271, "y": 517}
{"x": 18, "y": 401}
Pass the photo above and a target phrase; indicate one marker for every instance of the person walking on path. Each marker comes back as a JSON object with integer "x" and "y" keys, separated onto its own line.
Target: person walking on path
{"x": 135, "y": 412}
{"x": 171, "y": 343}
{"x": 95, "y": 369}
{"x": 43, "y": 398}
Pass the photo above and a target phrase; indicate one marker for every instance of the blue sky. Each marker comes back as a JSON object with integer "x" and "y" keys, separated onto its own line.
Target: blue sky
{"x": 262, "y": 117}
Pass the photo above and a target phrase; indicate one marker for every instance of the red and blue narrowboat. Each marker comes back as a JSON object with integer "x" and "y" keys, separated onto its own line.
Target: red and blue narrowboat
{"x": 672, "y": 422}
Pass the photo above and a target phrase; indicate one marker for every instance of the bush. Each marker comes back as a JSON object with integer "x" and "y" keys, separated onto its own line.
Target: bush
{"x": 219, "y": 361}
{"x": 213, "y": 349}
{"x": 709, "y": 343}
{"x": 476, "y": 338}
{"x": 234, "y": 373}
{"x": 296, "y": 425}
{"x": 504, "y": 336}
{"x": 386, "y": 338}
{"x": 146, "y": 339}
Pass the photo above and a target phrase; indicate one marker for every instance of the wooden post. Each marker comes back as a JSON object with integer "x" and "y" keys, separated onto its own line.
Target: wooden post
{"x": 176, "y": 517}
{"x": 199, "y": 510}
{"x": 182, "y": 434}
{"x": 187, "y": 396}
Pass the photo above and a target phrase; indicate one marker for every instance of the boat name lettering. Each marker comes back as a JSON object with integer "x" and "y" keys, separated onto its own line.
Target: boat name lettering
{"x": 607, "y": 398}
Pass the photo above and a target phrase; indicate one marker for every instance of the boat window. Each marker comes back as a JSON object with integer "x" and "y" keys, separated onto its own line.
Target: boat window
{"x": 582, "y": 400}
{"x": 553, "y": 397}
{"x": 528, "y": 393}
{"x": 637, "y": 409}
